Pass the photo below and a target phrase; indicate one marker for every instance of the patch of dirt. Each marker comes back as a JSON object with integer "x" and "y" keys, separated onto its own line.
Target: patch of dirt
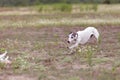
{"x": 17, "y": 77}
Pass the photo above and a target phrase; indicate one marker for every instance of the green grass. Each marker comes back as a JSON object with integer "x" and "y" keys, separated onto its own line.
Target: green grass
{"x": 2, "y": 66}
{"x": 87, "y": 52}
{"x": 73, "y": 78}
{"x": 21, "y": 64}
{"x": 88, "y": 7}
{"x": 2, "y": 50}
{"x": 51, "y": 8}
{"x": 118, "y": 37}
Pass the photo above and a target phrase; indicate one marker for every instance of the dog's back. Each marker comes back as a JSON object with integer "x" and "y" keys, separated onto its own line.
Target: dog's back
{"x": 87, "y": 33}
{"x": 94, "y": 31}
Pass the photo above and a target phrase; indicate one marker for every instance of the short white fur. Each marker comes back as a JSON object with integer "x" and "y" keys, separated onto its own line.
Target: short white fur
{"x": 83, "y": 36}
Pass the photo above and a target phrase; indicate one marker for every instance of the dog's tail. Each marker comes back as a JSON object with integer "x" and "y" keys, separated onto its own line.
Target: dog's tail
{"x": 96, "y": 34}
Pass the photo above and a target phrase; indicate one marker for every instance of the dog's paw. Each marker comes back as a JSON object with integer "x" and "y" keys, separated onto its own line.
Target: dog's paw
{"x": 68, "y": 47}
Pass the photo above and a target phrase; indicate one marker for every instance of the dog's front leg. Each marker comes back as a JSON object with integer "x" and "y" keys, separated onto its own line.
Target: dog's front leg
{"x": 75, "y": 45}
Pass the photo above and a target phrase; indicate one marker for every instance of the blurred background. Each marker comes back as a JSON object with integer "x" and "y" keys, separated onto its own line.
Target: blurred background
{"x": 36, "y": 2}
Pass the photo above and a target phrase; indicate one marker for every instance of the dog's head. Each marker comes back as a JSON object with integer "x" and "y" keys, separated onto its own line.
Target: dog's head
{"x": 72, "y": 37}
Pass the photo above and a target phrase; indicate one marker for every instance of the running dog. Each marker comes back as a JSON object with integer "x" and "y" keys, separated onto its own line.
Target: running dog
{"x": 4, "y": 58}
{"x": 82, "y": 37}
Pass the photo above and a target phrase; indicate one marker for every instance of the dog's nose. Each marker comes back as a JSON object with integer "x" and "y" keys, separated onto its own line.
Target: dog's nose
{"x": 68, "y": 41}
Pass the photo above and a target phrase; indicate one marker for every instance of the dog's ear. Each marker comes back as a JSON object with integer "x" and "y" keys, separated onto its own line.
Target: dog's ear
{"x": 74, "y": 34}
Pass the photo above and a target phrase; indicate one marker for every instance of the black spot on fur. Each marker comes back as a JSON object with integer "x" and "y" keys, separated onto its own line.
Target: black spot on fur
{"x": 74, "y": 34}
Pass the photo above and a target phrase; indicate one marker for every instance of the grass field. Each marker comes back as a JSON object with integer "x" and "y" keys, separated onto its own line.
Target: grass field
{"x": 37, "y": 44}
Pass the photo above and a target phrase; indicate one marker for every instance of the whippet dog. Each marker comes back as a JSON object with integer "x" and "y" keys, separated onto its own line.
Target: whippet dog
{"x": 82, "y": 37}
{"x": 4, "y": 58}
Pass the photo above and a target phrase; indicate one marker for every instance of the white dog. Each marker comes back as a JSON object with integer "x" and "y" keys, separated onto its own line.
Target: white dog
{"x": 82, "y": 37}
{"x": 4, "y": 58}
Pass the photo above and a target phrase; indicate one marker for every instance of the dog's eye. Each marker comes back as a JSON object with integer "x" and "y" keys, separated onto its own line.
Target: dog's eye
{"x": 72, "y": 37}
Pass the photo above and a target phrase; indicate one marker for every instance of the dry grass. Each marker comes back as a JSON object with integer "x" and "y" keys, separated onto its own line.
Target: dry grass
{"x": 61, "y": 22}
{"x": 105, "y": 15}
